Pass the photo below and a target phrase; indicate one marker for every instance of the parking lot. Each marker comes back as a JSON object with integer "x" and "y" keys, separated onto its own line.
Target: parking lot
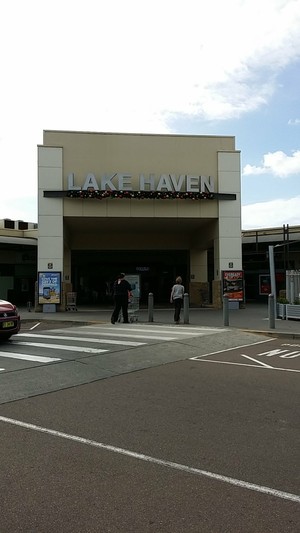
{"x": 207, "y": 443}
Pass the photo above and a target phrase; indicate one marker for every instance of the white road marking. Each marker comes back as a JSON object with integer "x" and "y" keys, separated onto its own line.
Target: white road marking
{"x": 255, "y": 361}
{"x": 174, "y": 330}
{"x": 147, "y": 458}
{"x": 244, "y": 364}
{"x": 117, "y": 331}
{"x": 84, "y": 339}
{"x": 271, "y": 353}
{"x": 290, "y": 355}
{"x": 131, "y": 335}
{"x": 229, "y": 349}
{"x": 292, "y": 345}
{"x": 25, "y": 357}
{"x": 62, "y": 347}
{"x": 284, "y": 354}
{"x": 35, "y": 326}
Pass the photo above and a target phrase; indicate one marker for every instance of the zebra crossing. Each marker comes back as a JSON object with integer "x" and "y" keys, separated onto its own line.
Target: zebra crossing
{"x": 58, "y": 345}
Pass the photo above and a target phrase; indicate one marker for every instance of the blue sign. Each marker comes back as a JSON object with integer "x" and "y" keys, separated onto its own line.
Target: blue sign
{"x": 49, "y": 287}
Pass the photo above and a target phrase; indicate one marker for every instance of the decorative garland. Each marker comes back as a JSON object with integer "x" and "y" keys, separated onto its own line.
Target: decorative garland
{"x": 141, "y": 195}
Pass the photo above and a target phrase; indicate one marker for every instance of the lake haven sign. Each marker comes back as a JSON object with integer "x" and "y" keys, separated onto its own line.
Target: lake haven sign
{"x": 151, "y": 182}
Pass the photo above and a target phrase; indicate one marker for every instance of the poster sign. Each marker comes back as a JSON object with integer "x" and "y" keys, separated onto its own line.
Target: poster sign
{"x": 134, "y": 280}
{"x": 233, "y": 284}
{"x": 264, "y": 284}
{"x": 49, "y": 286}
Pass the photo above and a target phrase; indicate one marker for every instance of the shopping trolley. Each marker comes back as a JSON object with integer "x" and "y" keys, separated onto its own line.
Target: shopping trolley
{"x": 71, "y": 301}
{"x": 133, "y": 309}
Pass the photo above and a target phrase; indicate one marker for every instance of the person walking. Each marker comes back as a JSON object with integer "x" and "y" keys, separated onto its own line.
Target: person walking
{"x": 177, "y": 294}
{"x": 121, "y": 293}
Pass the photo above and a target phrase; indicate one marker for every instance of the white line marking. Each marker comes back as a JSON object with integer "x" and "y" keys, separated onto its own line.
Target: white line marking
{"x": 169, "y": 464}
{"x": 36, "y": 358}
{"x": 113, "y": 334}
{"x": 244, "y": 364}
{"x": 62, "y": 347}
{"x": 154, "y": 337}
{"x": 290, "y": 355}
{"x": 169, "y": 330}
{"x": 229, "y": 349}
{"x": 255, "y": 361}
{"x": 83, "y": 339}
{"x": 35, "y": 326}
{"x": 152, "y": 326}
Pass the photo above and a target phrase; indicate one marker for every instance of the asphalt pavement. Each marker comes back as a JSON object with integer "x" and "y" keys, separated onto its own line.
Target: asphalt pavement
{"x": 254, "y": 317}
{"x": 193, "y": 434}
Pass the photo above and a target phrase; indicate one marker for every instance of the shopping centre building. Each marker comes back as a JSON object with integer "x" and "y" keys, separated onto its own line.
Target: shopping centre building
{"x": 153, "y": 206}
{"x": 156, "y": 206}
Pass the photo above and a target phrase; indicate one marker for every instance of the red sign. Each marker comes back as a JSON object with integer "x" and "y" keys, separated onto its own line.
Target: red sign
{"x": 233, "y": 284}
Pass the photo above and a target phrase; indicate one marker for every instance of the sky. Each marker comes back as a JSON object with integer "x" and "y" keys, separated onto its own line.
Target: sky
{"x": 161, "y": 66}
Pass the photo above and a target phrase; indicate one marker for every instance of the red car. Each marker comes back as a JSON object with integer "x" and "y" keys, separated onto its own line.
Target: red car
{"x": 10, "y": 322}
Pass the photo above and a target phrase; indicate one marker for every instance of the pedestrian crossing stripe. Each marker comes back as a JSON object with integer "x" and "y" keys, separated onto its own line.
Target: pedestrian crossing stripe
{"x": 83, "y": 339}
{"x": 62, "y": 347}
{"x": 174, "y": 330}
{"x": 28, "y": 357}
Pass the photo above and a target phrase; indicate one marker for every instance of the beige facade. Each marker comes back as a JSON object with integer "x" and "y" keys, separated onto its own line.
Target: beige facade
{"x": 176, "y": 168}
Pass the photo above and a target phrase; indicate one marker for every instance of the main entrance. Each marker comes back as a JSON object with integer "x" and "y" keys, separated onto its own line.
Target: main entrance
{"x": 94, "y": 271}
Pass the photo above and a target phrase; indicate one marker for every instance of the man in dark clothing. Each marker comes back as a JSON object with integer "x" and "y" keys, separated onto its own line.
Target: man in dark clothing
{"x": 121, "y": 293}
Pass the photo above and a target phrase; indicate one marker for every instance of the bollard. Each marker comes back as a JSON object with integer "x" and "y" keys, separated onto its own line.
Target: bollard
{"x": 271, "y": 311}
{"x": 225, "y": 310}
{"x": 186, "y": 308}
{"x": 29, "y": 307}
{"x": 150, "y": 307}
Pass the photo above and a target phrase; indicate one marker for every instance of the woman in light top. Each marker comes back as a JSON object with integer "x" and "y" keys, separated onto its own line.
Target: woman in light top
{"x": 177, "y": 294}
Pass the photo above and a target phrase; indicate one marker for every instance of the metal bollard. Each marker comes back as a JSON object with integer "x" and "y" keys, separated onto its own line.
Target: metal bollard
{"x": 29, "y": 307}
{"x": 225, "y": 310}
{"x": 150, "y": 307}
{"x": 186, "y": 308}
{"x": 271, "y": 309}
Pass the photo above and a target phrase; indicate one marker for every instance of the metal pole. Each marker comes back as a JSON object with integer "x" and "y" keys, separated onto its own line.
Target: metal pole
{"x": 225, "y": 310}
{"x": 272, "y": 277}
{"x": 292, "y": 289}
{"x": 186, "y": 309}
{"x": 150, "y": 307}
{"x": 271, "y": 311}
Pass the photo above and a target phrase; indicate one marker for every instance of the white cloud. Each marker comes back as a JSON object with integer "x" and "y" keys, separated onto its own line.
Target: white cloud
{"x": 276, "y": 163}
{"x": 271, "y": 214}
{"x": 115, "y": 66}
{"x": 294, "y": 122}
{"x": 110, "y": 61}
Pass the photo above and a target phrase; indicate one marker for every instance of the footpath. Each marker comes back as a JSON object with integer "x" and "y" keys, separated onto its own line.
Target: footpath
{"x": 253, "y": 318}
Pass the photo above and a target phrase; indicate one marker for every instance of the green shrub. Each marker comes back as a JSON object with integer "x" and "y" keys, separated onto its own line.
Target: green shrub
{"x": 282, "y": 301}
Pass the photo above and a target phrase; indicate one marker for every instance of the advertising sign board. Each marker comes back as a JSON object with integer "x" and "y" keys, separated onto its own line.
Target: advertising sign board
{"x": 264, "y": 284}
{"x": 233, "y": 284}
{"x": 134, "y": 280}
{"x": 49, "y": 287}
